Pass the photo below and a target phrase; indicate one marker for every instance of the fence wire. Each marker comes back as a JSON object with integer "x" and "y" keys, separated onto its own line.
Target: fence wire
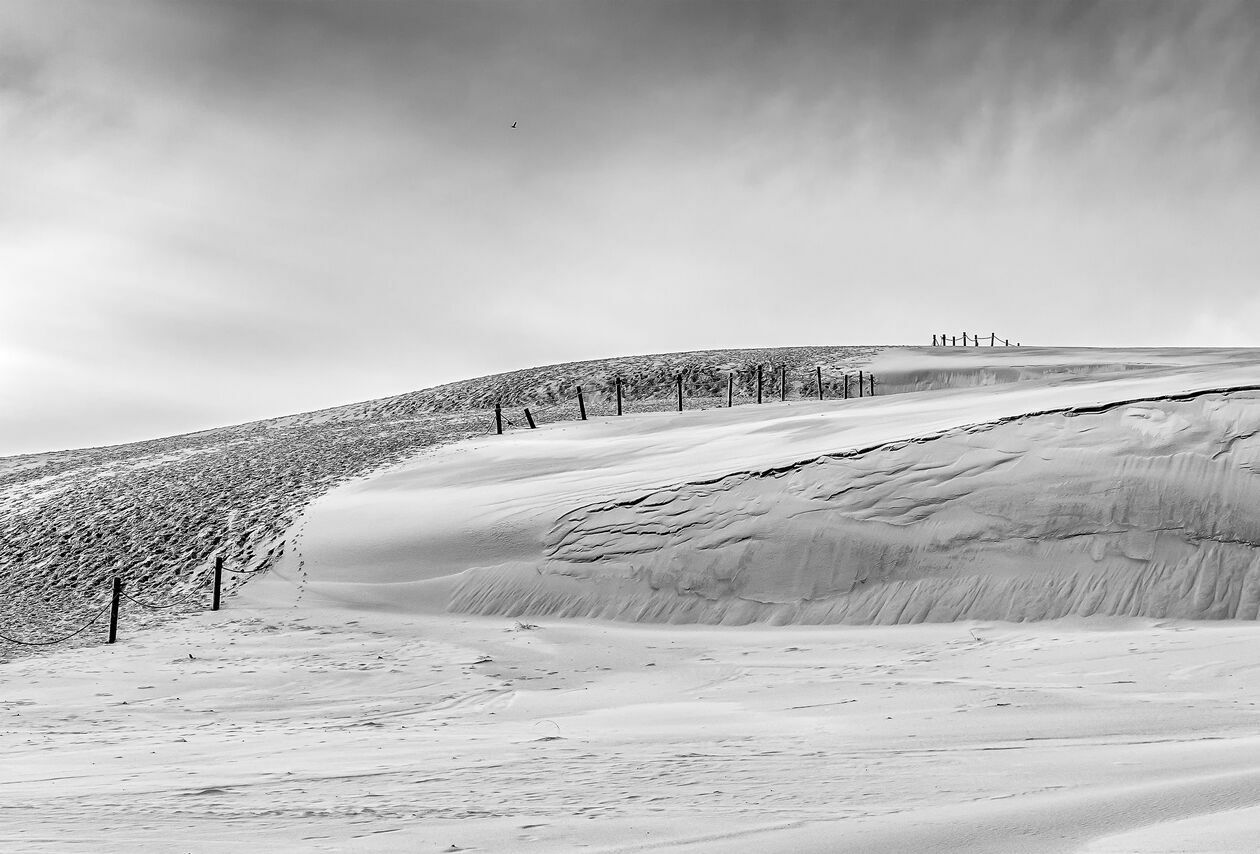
{"x": 153, "y": 607}
{"x": 77, "y": 631}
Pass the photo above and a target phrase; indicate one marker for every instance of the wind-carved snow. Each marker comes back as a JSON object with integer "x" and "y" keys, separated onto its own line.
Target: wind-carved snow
{"x": 1144, "y": 509}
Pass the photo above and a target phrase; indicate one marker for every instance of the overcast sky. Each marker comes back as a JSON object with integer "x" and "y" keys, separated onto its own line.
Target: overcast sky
{"x": 219, "y": 210}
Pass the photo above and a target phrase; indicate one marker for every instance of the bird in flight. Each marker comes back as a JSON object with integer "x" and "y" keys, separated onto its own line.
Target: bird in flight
{"x": 513, "y": 124}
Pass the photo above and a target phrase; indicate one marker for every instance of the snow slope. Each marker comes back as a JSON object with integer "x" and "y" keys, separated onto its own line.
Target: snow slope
{"x": 1124, "y": 492}
{"x": 156, "y": 513}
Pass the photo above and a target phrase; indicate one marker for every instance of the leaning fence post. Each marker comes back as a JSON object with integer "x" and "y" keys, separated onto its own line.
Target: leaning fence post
{"x": 818, "y": 372}
{"x": 498, "y": 418}
{"x": 680, "y": 392}
{"x": 782, "y": 382}
{"x": 218, "y": 581}
{"x": 530, "y": 418}
{"x": 618, "y": 395}
{"x": 113, "y": 610}
{"x": 581, "y": 404}
{"x": 759, "y": 383}
{"x": 730, "y": 390}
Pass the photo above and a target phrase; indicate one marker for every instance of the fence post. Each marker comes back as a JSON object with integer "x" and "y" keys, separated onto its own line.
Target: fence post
{"x": 871, "y": 378}
{"x": 861, "y": 382}
{"x": 730, "y": 390}
{"x": 218, "y": 581}
{"x": 680, "y": 392}
{"x": 992, "y": 339}
{"x": 759, "y": 383}
{"x": 846, "y": 386}
{"x": 581, "y": 404}
{"x": 933, "y": 340}
{"x": 530, "y": 419}
{"x": 818, "y": 373}
{"x": 113, "y": 610}
{"x": 782, "y": 382}
{"x": 619, "y": 395}
{"x": 498, "y": 418}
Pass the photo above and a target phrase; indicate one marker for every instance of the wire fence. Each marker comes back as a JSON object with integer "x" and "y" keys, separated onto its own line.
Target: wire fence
{"x": 705, "y": 388}
{"x": 112, "y": 607}
{"x": 943, "y": 340}
{"x": 91, "y": 622}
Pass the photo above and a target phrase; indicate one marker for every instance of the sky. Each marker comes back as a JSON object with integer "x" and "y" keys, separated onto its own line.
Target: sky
{"x": 213, "y": 211}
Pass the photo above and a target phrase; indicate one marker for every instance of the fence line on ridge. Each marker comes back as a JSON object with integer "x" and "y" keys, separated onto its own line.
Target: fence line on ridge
{"x": 952, "y": 340}
{"x": 863, "y": 384}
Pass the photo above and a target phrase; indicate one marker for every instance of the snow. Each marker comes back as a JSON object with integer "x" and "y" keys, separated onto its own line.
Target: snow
{"x": 944, "y": 505}
{"x": 327, "y": 729}
{"x": 1011, "y": 610}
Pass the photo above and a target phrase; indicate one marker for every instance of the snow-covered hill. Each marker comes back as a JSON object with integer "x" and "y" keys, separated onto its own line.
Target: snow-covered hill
{"x": 1076, "y": 490}
{"x": 380, "y": 687}
{"x": 157, "y": 512}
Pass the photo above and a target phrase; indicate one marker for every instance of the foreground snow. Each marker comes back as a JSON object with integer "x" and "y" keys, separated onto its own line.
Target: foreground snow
{"x": 285, "y": 728}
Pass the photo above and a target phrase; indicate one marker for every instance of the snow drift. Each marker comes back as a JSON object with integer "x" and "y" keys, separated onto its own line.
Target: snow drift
{"x": 1125, "y": 492}
{"x": 1140, "y": 510}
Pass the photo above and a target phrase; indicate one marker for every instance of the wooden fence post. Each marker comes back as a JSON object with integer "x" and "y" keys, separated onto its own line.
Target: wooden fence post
{"x": 680, "y": 392}
{"x": 498, "y": 418}
{"x": 581, "y": 404}
{"x": 759, "y": 383}
{"x": 730, "y": 390}
{"x": 933, "y": 340}
{"x": 530, "y": 418}
{"x": 113, "y": 610}
{"x": 618, "y": 395}
{"x": 818, "y": 371}
{"x": 846, "y": 386}
{"x": 218, "y": 581}
{"x": 871, "y": 378}
{"x": 861, "y": 383}
{"x": 782, "y": 382}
